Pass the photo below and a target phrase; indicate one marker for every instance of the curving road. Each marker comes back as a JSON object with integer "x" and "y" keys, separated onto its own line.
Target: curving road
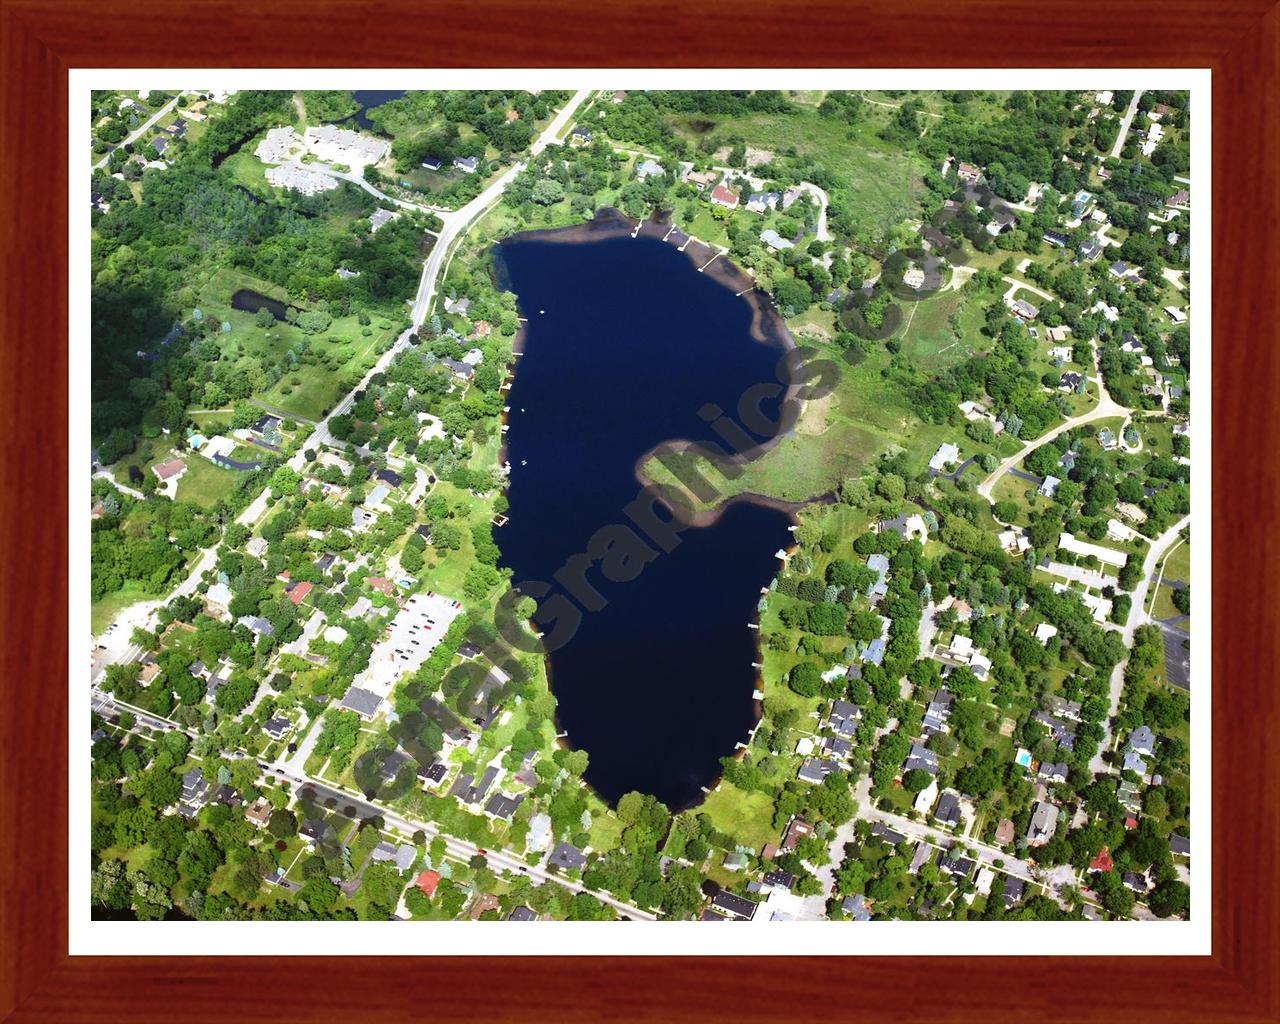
{"x": 455, "y": 224}
{"x": 1138, "y": 616}
{"x": 1105, "y": 408}
{"x": 142, "y": 129}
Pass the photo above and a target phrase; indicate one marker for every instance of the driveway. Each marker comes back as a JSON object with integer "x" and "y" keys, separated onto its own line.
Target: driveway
{"x": 1125, "y": 122}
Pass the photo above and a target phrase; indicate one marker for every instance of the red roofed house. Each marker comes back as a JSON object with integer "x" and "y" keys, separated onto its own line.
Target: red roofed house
{"x": 427, "y": 882}
{"x": 1102, "y": 862}
{"x": 169, "y": 469}
{"x": 797, "y": 830}
{"x": 483, "y": 903}
{"x": 298, "y": 592}
{"x": 1131, "y": 823}
{"x": 380, "y": 583}
{"x": 721, "y": 195}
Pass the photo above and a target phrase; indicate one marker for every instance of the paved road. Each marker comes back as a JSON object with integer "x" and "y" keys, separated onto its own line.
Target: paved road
{"x": 142, "y": 129}
{"x": 454, "y": 225}
{"x": 115, "y": 640}
{"x": 103, "y": 473}
{"x": 1016, "y": 284}
{"x": 1105, "y": 408}
{"x": 1137, "y": 616}
{"x": 355, "y": 807}
{"x": 1125, "y": 122}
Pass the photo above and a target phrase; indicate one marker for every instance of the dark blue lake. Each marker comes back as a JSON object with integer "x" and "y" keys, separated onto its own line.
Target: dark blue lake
{"x": 625, "y": 342}
{"x": 370, "y": 98}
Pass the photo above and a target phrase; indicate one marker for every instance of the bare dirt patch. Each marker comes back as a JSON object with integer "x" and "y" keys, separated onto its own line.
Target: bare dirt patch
{"x": 813, "y": 417}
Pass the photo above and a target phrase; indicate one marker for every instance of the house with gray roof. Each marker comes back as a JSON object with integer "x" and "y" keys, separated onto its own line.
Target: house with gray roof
{"x": 566, "y": 856}
{"x": 878, "y": 564}
{"x": 256, "y": 625}
{"x": 774, "y": 240}
{"x": 649, "y": 169}
{"x": 502, "y": 806}
{"x": 364, "y": 703}
{"x": 1143, "y": 740}
{"x": 948, "y": 813}
{"x": 1044, "y": 822}
{"x": 856, "y": 907}
{"x": 814, "y": 770}
{"x": 843, "y": 718}
{"x": 734, "y": 906}
{"x": 922, "y": 758}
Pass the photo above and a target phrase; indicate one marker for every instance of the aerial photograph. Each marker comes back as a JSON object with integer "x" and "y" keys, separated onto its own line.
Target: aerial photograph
{"x": 653, "y": 505}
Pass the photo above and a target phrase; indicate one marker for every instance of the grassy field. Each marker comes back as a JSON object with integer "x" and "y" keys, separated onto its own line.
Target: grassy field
{"x": 880, "y": 183}
{"x": 345, "y": 352}
{"x": 204, "y": 483}
{"x": 835, "y": 438}
{"x": 107, "y": 608}
{"x": 748, "y": 817}
{"x": 928, "y": 339}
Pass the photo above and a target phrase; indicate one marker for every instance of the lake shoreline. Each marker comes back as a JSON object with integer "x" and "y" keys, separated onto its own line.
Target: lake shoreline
{"x": 766, "y": 328}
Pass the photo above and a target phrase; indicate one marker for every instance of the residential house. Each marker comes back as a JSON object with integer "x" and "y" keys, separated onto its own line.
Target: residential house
{"x": 921, "y": 758}
{"x": 1044, "y": 822}
{"x": 946, "y": 454}
{"x": 908, "y": 527}
{"x": 724, "y": 196}
{"x": 363, "y": 702}
{"x": 878, "y": 564}
{"x": 774, "y": 241}
{"x": 856, "y": 907}
{"x": 502, "y": 806}
{"x": 948, "y": 813}
{"x": 814, "y": 770}
{"x": 738, "y": 907}
{"x": 701, "y": 179}
{"x": 1004, "y": 832}
{"x": 381, "y": 217}
{"x": 259, "y": 812}
{"x": 843, "y": 718}
{"x": 427, "y": 882}
{"x": 758, "y": 202}
{"x": 1048, "y": 487}
{"x": 567, "y": 857}
{"x": 277, "y": 727}
{"x": 649, "y": 169}
{"x": 797, "y": 829}
{"x": 938, "y": 713}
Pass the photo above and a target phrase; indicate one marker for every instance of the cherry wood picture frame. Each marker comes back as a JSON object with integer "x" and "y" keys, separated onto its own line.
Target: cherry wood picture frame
{"x": 40, "y": 41}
